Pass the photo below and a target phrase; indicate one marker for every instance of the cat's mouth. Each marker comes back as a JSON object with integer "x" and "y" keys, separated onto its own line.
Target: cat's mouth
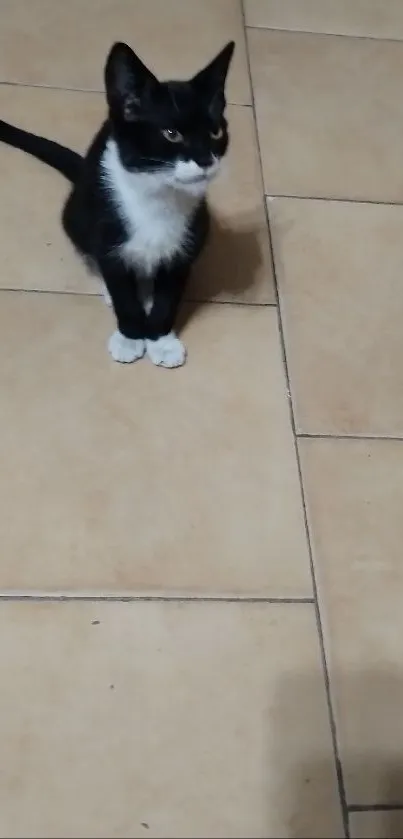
{"x": 195, "y": 179}
{"x": 197, "y": 184}
{"x": 190, "y": 174}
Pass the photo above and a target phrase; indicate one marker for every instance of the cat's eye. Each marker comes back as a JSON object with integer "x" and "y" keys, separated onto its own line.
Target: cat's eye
{"x": 172, "y": 135}
{"x": 217, "y": 134}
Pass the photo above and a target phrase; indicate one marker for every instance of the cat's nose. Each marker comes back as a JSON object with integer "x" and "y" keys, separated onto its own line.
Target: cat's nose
{"x": 204, "y": 160}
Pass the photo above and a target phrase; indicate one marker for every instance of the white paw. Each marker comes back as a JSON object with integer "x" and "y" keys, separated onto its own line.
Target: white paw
{"x": 124, "y": 349}
{"x": 167, "y": 351}
{"x": 148, "y": 303}
{"x": 106, "y": 296}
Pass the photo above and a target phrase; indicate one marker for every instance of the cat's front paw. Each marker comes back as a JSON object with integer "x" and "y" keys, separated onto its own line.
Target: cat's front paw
{"x": 125, "y": 350}
{"x": 167, "y": 351}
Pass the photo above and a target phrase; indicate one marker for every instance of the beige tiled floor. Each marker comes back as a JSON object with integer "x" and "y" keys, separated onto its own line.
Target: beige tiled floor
{"x": 386, "y": 824}
{"x": 201, "y": 570}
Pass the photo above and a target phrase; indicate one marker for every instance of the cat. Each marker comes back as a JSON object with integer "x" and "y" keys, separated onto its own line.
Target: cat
{"x": 137, "y": 211}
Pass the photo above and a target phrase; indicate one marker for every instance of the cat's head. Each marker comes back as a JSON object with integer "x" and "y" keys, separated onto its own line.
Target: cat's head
{"x": 176, "y": 130}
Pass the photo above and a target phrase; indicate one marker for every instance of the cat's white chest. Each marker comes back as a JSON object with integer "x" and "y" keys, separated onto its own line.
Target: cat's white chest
{"x": 158, "y": 234}
{"x": 156, "y": 218}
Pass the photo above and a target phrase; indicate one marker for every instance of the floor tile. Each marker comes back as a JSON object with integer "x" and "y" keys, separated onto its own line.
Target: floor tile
{"x": 330, "y": 114}
{"x": 354, "y": 496}
{"x": 373, "y": 18}
{"x": 386, "y": 824}
{"x": 339, "y": 268}
{"x": 36, "y": 255}
{"x": 67, "y": 50}
{"x": 35, "y": 252}
{"x": 163, "y": 719}
{"x": 147, "y": 480}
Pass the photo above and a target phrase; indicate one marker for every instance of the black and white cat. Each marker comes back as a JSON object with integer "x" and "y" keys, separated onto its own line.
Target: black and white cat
{"x": 137, "y": 211}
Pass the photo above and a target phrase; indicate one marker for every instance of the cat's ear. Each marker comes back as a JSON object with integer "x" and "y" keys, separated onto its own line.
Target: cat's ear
{"x": 210, "y": 82}
{"x": 128, "y": 82}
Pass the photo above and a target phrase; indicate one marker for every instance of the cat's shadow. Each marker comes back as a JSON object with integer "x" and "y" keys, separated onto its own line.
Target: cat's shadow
{"x": 230, "y": 263}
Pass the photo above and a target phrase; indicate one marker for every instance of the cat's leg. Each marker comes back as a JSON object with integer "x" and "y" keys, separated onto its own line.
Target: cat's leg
{"x": 127, "y": 343}
{"x": 163, "y": 347}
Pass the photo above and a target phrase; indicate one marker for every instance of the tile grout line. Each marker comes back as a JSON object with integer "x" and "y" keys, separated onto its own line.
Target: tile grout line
{"x": 380, "y": 437}
{"x": 89, "y": 295}
{"x": 37, "y": 597}
{"x": 239, "y": 303}
{"x": 374, "y": 808}
{"x": 43, "y": 86}
{"x": 98, "y": 91}
{"x": 284, "y": 31}
{"x": 330, "y": 198}
{"x": 331, "y": 715}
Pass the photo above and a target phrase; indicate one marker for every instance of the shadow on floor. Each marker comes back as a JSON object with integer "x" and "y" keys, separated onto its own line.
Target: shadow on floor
{"x": 229, "y": 264}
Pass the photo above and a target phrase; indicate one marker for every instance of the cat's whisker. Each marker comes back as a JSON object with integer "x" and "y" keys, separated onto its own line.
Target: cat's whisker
{"x": 154, "y": 160}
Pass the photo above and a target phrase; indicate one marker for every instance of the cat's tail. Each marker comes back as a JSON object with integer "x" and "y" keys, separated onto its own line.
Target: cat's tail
{"x": 65, "y": 160}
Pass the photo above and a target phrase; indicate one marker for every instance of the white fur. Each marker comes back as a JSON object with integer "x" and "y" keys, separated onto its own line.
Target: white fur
{"x": 189, "y": 173}
{"x": 145, "y": 288}
{"x": 148, "y": 303}
{"x": 125, "y": 350}
{"x": 167, "y": 351}
{"x": 106, "y": 296}
{"x": 155, "y": 207}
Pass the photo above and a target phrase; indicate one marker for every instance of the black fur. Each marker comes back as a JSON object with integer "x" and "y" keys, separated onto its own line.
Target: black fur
{"x": 140, "y": 109}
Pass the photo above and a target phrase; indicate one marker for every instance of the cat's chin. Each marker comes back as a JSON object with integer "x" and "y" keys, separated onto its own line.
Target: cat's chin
{"x": 195, "y": 188}
{"x": 189, "y": 177}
